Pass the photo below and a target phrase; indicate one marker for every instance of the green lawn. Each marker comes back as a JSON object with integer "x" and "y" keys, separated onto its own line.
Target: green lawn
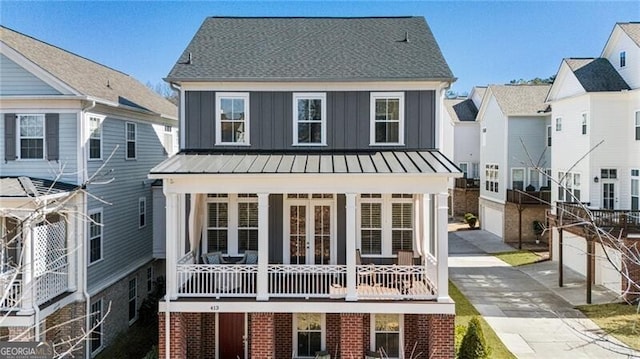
{"x": 464, "y": 312}
{"x": 618, "y": 319}
{"x": 518, "y": 258}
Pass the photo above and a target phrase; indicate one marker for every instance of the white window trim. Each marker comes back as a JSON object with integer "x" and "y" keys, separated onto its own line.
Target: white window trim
{"x": 524, "y": 177}
{"x": 126, "y": 141}
{"x": 232, "y": 200}
{"x": 44, "y": 137}
{"x": 218, "y": 118}
{"x": 386, "y": 211}
{"x": 322, "y": 96}
{"x": 637, "y": 179}
{"x": 483, "y": 136}
{"x": 558, "y": 124}
{"x": 294, "y": 331}
{"x": 492, "y": 175}
{"x": 140, "y": 214}
{"x": 622, "y": 54}
{"x": 89, "y": 213}
{"x": 372, "y": 331}
{"x": 135, "y": 299}
{"x": 100, "y": 122}
{"x": 636, "y": 124}
{"x": 372, "y": 117}
{"x": 549, "y": 137}
{"x": 584, "y": 123}
{"x": 102, "y": 331}
{"x": 468, "y": 167}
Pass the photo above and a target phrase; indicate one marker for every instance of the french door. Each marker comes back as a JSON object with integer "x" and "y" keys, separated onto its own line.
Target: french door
{"x": 608, "y": 196}
{"x": 309, "y": 230}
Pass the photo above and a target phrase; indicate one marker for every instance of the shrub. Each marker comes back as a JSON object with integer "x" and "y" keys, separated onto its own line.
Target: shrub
{"x": 471, "y": 220}
{"x": 474, "y": 345}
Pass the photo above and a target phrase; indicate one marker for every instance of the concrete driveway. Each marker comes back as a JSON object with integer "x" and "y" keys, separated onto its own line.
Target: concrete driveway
{"x": 531, "y": 319}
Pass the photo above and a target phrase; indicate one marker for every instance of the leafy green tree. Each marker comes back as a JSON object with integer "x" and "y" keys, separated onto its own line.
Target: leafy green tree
{"x": 474, "y": 345}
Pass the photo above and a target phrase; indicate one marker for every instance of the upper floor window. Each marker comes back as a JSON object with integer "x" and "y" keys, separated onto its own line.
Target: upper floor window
{"x": 464, "y": 168}
{"x": 95, "y": 235}
{"x": 484, "y": 136}
{"x": 569, "y": 186}
{"x": 386, "y": 224}
{"x": 131, "y": 140}
{"x": 548, "y": 136}
{"x": 491, "y": 177}
{"x": 31, "y": 136}
{"x": 95, "y": 138}
{"x": 142, "y": 212}
{"x": 387, "y": 118}
{"x": 635, "y": 189}
{"x": 584, "y": 122}
{"x": 558, "y": 123}
{"x": 232, "y": 223}
{"x": 232, "y": 118}
{"x": 623, "y": 58}
{"x": 309, "y": 119}
{"x": 517, "y": 179}
{"x": 608, "y": 173}
{"x": 168, "y": 139}
{"x": 637, "y": 123}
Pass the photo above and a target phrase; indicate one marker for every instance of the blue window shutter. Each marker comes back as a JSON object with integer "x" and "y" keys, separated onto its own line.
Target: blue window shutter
{"x": 9, "y": 136}
{"x": 52, "y": 137}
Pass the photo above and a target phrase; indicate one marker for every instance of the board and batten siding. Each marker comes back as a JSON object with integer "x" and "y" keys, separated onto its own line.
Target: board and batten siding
{"x": 18, "y": 81}
{"x": 67, "y": 163}
{"x": 124, "y": 243}
{"x": 271, "y": 121}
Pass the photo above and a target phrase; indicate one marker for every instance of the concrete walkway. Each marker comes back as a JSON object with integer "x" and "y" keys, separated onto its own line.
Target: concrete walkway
{"x": 531, "y": 317}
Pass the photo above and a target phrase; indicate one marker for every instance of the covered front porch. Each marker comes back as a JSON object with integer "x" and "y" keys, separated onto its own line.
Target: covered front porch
{"x": 352, "y": 235}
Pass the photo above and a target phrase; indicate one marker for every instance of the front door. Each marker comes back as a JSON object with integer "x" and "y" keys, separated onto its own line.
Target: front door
{"x": 608, "y": 196}
{"x": 231, "y": 335}
{"x": 309, "y": 228}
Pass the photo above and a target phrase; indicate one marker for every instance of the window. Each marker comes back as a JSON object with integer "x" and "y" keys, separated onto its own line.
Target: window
{"x": 131, "y": 141}
{"x": 232, "y": 118}
{"x": 584, "y": 122}
{"x": 561, "y": 184}
{"x": 474, "y": 170}
{"x": 95, "y": 138}
{"x": 133, "y": 300}
{"x": 569, "y": 186}
{"x": 608, "y": 173}
{"x": 548, "y": 136}
{"x": 168, "y": 139}
{"x": 386, "y": 334}
{"x": 309, "y": 119}
{"x": 464, "y": 167}
{"x": 309, "y": 334}
{"x": 217, "y": 228}
{"x": 635, "y": 192}
{"x": 558, "y": 124}
{"x": 31, "y": 136}
{"x": 517, "y": 179}
{"x": 491, "y": 177}
{"x": 388, "y": 217}
{"x": 637, "y": 125}
{"x": 484, "y": 136}
{"x": 142, "y": 212}
{"x": 95, "y": 318}
{"x": 95, "y": 235}
{"x": 149, "y": 279}
{"x": 387, "y": 122}
{"x": 247, "y": 223}
{"x": 623, "y": 58}
{"x": 534, "y": 178}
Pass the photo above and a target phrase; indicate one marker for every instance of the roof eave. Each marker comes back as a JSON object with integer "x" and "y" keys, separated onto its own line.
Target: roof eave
{"x": 179, "y": 80}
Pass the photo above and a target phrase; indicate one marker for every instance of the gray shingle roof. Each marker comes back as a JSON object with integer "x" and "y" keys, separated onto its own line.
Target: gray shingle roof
{"x": 426, "y": 162}
{"x": 520, "y": 99}
{"x": 461, "y": 109}
{"x": 597, "y": 75}
{"x": 312, "y": 49}
{"x": 633, "y": 30}
{"x": 87, "y": 77}
{"x": 31, "y": 187}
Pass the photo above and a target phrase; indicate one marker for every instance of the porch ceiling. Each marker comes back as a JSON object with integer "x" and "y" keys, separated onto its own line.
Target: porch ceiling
{"x": 299, "y": 162}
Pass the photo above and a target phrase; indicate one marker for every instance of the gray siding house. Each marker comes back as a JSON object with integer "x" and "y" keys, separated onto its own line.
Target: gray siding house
{"x": 308, "y": 197}
{"x": 77, "y": 140}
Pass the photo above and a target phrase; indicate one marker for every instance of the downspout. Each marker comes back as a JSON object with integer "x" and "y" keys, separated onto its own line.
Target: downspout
{"x": 34, "y": 301}
{"x": 83, "y": 254}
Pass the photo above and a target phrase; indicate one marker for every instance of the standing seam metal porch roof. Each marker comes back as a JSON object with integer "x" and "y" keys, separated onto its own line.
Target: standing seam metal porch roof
{"x": 369, "y": 162}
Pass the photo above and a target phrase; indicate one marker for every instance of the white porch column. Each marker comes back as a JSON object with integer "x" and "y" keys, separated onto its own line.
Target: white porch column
{"x": 352, "y": 294}
{"x": 262, "y": 286}
{"x": 417, "y": 227}
{"x": 72, "y": 250}
{"x": 442, "y": 245}
{"x": 28, "y": 291}
{"x": 427, "y": 224}
{"x": 172, "y": 239}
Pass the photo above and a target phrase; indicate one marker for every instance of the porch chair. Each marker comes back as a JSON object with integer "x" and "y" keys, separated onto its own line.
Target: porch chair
{"x": 365, "y": 277}
{"x": 213, "y": 258}
{"x": 250, "y": 257}
{"x": 405, "y": 258}
{"x": 322, "y": 355}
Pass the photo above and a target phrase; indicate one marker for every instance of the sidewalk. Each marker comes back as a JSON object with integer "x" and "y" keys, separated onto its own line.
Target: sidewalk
{"x": 523, "y": 305}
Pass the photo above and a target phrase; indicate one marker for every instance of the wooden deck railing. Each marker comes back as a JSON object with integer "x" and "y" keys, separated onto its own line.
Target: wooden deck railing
{"x": 528, "y": 197}
{"x": 626, "y": 220}
{"x": 467, "y": 183}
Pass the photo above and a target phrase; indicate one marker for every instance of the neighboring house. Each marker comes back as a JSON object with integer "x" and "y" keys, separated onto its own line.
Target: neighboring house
{"x": 462, "y": 143}
{"x": 307, "y": 168}
{"x": 515, "y": 160}
{"x": 64, "y": 117}
{"x": 596, "y": 145}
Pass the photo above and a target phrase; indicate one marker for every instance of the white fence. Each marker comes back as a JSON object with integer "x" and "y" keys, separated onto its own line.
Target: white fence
{"x": 50, "y": 261}
{"x": 305, "y": 281}
{"x": 394, "y": 282}
{"x": 218, "y": 280}
{"x": 11, "y": 286}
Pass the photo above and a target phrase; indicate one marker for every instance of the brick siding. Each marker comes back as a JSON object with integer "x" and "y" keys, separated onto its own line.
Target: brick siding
{"x": 263, "y": 336}
{"x": 351, "y": 338}
{"x": 440, "y": 334}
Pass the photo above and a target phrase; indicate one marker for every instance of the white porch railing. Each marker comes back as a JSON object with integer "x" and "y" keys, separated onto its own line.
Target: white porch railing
{"x": 394, "y": 282}
{"x": 306, "y": 281}
{"x": 218, "y": 280}
{"x": 51, "y": 284}
{"x": 432, "y": 270}
{"x": 11, "y": 287}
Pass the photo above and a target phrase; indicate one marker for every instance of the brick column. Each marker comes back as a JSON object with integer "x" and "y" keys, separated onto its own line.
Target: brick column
{"x": 193, "y": 323}
{"x": 263, "y": 336}
{"x": 416, "y": 334}
{"x": 351, "y": 338}
{"x": 440, "y": 333}
{"x": 177, "y": 336}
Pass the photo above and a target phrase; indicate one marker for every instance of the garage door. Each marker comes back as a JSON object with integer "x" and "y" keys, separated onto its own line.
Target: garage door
{"x": 492, "y": 221}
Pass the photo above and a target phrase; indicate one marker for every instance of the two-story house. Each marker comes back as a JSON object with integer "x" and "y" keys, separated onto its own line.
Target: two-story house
{"x": 514, "y": 160}
{"x": 462, "y": 144}
{"x": 307, "y": 209}
{"x": 596, "y": 148}
{"x": 77, "y": 141}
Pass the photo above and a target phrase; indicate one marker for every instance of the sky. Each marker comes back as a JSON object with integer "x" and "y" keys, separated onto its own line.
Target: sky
{"x": 484, "y": 42}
